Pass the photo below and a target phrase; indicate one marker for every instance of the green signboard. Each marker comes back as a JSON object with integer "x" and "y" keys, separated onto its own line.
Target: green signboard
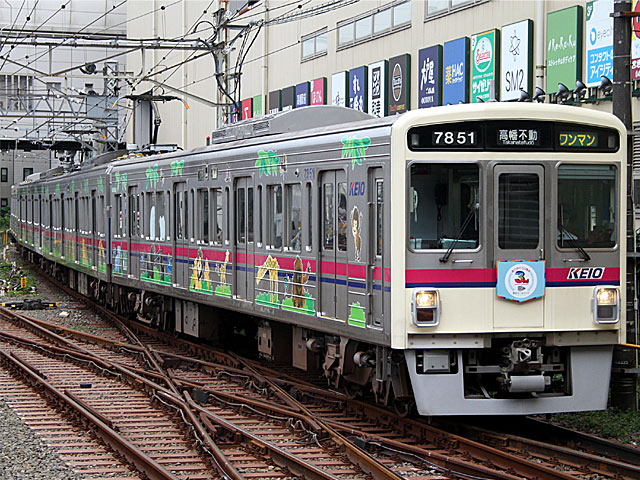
{"x": 485, "y": 62}
{"x": 564, "y": 48}
{"x": 257, "y": 106}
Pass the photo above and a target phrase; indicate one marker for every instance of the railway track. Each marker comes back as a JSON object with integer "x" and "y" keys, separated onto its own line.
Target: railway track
{"x": 267, "y": 424}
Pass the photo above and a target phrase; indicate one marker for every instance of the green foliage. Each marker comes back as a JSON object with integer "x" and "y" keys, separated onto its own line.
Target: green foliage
{"x": 5, "y": 213}
{"x": 612, "y": 423}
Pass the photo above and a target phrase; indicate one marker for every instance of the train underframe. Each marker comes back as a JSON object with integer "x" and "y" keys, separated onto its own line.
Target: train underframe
{"x": 350, "y": 366}
{"x": 509, "y": 375}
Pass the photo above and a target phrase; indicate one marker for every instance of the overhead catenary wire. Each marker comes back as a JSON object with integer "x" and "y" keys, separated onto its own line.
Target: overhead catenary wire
{"x": 101, "y": 16}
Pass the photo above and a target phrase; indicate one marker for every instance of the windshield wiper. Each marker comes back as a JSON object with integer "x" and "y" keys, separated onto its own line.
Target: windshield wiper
{"x": 569, "y": 238}
{"x": 470, "y": 215}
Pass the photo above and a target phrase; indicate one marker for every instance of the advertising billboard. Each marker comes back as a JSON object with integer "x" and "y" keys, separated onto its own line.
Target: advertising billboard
{"x": 430, "y": 77}
{"x": 377, "y": 91}
{"x": 635, "y": 42}
{"x": 485, "y": 61}
{"x": 275, "y": 101}
{"x": 319, "y": 91}
{"x": 339, "y": 89}
{"x": 399, "y": 93}
{"x": 247, "y": 108}
{"x": 516, "y": 60}
{"x": 302, "y": 95}
{"x": 288, "y": 98}
{"x": 358, "y": 88}
{"x": 455, "y": 71}
{"x": 564, "y": 48}
{"x": 257, "y": 106}
{"x": 599, "y": 39}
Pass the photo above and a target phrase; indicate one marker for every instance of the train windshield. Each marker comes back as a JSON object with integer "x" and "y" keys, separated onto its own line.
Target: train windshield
{"x": 443, "y": 206}
{"x": 587, "y": 206}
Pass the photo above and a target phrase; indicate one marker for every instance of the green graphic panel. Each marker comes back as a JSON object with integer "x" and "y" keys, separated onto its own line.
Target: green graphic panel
{"x": 564, "y": 48}
{"x": 484, "y": 66}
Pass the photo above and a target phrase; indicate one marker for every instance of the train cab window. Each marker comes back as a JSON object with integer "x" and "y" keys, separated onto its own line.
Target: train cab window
{"x": 443, "y": 206}
{"x": 275, "y": 220}
{"x": 518, "y": 211}
{"x": 587, "y": 207}
{"x": 294, "y": 217}
{"x": 217, "y": 197}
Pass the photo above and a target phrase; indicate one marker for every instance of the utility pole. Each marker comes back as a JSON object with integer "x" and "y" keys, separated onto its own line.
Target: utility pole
{"x": 624, "y": 381}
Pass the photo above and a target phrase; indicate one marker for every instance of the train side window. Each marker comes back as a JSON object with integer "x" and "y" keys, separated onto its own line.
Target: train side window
{"x": 259, "y": 240}
{"x": 203, "y": 214}
{"x": 150, "y": 225}
{"x": 240, "y": 218}
{"x": 120, "y": 212}
{"x": 179, "y": 215}
{"x": 227, "y": 205}
{"x": 379, "y": 215}
{"x": 328, "y": 219}
{"x": 217, "y": 197}
{"x": 163, "y": 203}
{"x": 250, "y": 214}
{"x": 309, "y": 217}
{"x": 294, "y": 216}
{"x": 275, "y": 220}
{"x": 342, "y": 217}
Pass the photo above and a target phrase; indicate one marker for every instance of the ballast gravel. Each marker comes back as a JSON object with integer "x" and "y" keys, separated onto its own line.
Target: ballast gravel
{"x": 23, "y": 456}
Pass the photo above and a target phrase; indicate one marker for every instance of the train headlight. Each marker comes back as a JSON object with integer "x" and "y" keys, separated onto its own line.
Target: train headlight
{"x": 425, "y": 307}
{"x": 606, "y": 305}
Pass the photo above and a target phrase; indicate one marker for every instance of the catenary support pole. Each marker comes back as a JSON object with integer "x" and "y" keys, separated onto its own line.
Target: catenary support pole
{"x": 624, "y": 381}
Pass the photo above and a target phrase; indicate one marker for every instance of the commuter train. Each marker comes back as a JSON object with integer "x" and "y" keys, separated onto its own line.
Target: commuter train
{"x": 465, "y": 260}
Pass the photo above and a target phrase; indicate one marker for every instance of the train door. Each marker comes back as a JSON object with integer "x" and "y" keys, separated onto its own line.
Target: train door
{"x": 519, "y": 235}
{"x": 63, "y": 226}
{"x": 243, "y": 204}
{"x": 134, "y": 231}
{"x": 40, "y": 222}
{"x": 181, "y": 248}
{"x": 76, "y": 232}
{"x": 375, "y": 273}
{"x": 333, "y": 251}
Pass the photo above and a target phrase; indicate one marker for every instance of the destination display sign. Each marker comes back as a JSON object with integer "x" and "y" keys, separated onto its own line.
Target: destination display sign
{"x": 578, "y": 139}
{"x": 516, "y": 135}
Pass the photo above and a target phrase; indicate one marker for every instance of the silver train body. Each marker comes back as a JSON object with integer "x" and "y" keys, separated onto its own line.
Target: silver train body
{"x": 469, "y": 258}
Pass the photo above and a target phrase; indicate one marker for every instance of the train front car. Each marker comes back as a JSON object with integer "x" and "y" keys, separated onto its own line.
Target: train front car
{"x": 511, "y": 282}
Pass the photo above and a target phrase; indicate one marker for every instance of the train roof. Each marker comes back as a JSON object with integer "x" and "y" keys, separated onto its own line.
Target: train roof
{"x": 296, "y": 120}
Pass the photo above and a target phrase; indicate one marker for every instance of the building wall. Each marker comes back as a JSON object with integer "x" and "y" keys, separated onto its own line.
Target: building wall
{"x": 36, "y": 77}
{"x": 275, "y": 58}
{"x": 278, "y": 52}
{"x": 193, "y": 74}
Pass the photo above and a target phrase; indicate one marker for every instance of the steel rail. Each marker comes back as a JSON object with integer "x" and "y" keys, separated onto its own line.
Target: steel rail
{"x": 279, "y": 455}
{"x": 142, "y": 462}
{"x": 355, "y": 454}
